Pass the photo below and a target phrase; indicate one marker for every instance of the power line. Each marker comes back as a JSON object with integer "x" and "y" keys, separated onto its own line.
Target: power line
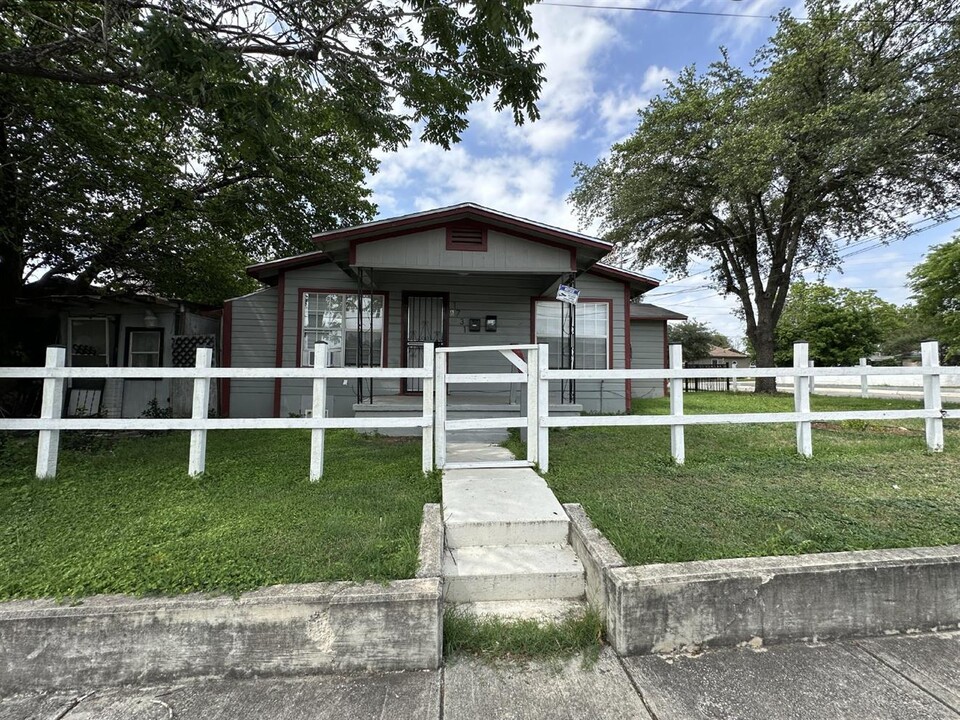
{"x": 665, "y": 11}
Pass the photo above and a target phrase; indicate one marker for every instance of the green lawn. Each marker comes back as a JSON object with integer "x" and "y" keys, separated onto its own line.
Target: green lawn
{"x": 126, "y": 517}
{"x": 744, "y": 491}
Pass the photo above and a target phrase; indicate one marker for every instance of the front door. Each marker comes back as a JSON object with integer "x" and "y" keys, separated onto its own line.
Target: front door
{"x": 424, "y": 321}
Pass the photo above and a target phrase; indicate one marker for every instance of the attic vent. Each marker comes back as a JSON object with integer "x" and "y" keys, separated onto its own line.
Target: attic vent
{"x": 467, "y": 237}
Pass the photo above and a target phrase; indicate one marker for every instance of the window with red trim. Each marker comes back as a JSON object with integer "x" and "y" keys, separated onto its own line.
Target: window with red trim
{"x": 467, "y": 236}
{"x": 592, "y": 332}
{"x": 334, "y": 318}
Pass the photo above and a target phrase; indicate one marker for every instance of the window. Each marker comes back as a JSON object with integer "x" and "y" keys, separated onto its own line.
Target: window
{"x": 144, "y": 347}
{"x": 89, "y": 342}
{"x": 467, "y": 236}
{"x": 333, "y": 318}
{"x": 592, "y": 332}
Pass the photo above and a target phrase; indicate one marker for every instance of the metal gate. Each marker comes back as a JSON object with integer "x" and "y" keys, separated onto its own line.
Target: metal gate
{"x": 424, "y": 321}
{"x": 537, "y": 403}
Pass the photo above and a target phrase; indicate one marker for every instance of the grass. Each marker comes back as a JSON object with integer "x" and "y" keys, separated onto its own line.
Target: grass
{"x": 124, "y": 517}
{"x": 522, "y": 640}
{"x": 744, "y": 491}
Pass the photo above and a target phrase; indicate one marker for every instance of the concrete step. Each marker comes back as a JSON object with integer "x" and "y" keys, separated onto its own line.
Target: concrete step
{"x": 543, "y": 611}
{"x": 499, "y": 506}
{"x": 512, "y": 572}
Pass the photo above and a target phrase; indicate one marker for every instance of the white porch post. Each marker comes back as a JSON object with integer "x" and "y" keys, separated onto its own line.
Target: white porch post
{"x": 201, "y": 405}
{"x": 48, "y": 447}
{"x": 319, "y": 410}
{"x": 801, "y": 399}
{"x": 429, "y": 364}
{"x": 543, "y": 404}
{"x": 533, "y": 405}
{"x": 930, "y": 355}
{"x": 440, "y": 409}
{"x": 677, "y": 448}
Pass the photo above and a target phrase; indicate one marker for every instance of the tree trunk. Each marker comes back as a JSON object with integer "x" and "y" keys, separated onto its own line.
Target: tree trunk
{"x": 761, "y": 336}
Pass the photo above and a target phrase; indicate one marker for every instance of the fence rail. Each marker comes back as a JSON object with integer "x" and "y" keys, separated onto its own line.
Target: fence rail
{"x": 530, "y": 369}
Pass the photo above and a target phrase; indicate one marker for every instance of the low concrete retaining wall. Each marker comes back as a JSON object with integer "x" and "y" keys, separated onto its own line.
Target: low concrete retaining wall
{"x": 682, "y": 606}
{"x": 282, "y": 630}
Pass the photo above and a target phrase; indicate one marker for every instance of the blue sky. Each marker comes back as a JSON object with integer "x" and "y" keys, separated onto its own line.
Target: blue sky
{"x": 601, "y": 66}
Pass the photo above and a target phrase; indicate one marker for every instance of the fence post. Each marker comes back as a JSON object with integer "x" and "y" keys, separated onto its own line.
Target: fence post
{"x": 533, "y": 405}
{"x": 48, "y": 447}
{"x": 201, "y": 405}
{"x": 428, "y": 400}
{"x": 677, "y": 448}
{"x": 440, "y": 410}
{"x": 734, "y": 385}
{"x": 543, "y": 404}
{"x": 801, "y": 399}
{"x": 930, "y": 355}
{"x": 319, "y": 410}
{"x": 813, "y": 380}
{"x": 864, "y": 383}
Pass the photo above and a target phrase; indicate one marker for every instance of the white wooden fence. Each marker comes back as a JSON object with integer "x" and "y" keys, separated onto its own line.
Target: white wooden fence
{"x": 433, "y": 422}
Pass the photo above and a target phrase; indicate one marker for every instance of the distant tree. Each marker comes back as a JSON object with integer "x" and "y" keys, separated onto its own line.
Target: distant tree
{"x": 846, "y": 122}
{"x": 907, "y": 330}
{"x": 936, "y": 287}
{"x": 840, "y": 325}
{"x": 697, "y": 338}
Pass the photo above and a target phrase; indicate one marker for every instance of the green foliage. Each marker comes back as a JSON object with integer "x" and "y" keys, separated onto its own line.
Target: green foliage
{"x": 499, "y": 639}
{"x": 744, "y": 491}
{"x": 131, "y": 521}
{"x": 697, "y": 339}
{"x": 840, "y": 325}
{"x": 936, "y": 286}
{"x": 165, "y": 147}
{"x": 845, "y": 123}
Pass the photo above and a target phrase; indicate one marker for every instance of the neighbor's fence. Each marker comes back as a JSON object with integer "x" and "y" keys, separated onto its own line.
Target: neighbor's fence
{"x": 51, "y": 422}
{"x": 803, "y": 374}
{"x": 708, "y": 384}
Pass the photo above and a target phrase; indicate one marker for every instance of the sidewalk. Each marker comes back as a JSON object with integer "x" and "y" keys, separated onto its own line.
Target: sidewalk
{"x": 902, "y": 677}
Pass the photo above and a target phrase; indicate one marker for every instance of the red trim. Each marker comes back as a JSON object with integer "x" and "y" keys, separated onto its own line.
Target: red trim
{"x": 278, "y": 382}
{"x": 427, "y": 220}
{"x": 627, "y": 346}
{"x": 226, "y": 331}
{"x": 533, "y": 320}
{"x": 404, "y": 296}
{"x": 623, "y": 275}
{"x": 467, "y": 247}
{"x": 384, "y": 354}
{"x": 317, "y": 257}
{"x": 666, "y": 355}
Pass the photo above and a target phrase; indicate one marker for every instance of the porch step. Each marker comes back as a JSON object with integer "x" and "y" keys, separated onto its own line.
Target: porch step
{"x": 512, "y": 572}
{"x": 541, "y": 611}
{"x": 501, "y": 506}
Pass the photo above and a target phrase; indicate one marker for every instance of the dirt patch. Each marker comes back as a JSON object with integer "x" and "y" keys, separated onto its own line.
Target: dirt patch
{"x": 860, "y": 426}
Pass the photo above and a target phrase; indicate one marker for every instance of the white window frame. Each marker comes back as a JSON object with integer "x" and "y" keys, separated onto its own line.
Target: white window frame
{"x": 583, "y": 303}
{"x": 158, "y": 353}
{"x": 337, "y": 357}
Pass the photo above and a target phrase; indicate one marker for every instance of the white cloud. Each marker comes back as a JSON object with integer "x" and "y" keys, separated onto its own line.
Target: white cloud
{"x": 740, "y": 32}
{"x": 618, "y": 108}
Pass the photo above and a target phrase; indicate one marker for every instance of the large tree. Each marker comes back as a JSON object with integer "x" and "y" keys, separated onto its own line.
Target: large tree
{"x": 848, "y": 120}
{"x": 840, "y": 325}
{"x": 936, "y": 286}
{"x": 161, "y": 145}
{"x": 697, "y": 339}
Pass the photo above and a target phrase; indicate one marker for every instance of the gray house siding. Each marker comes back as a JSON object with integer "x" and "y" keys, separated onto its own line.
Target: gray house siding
{"x": 647, "y": 340}
{"x": 253, "y": 344}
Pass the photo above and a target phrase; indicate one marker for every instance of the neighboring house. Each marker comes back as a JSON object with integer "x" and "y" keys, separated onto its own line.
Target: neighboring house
{"x": 723, "y": 357}
{"x": 458, "y": 276}
{"x": 130, "y": 330}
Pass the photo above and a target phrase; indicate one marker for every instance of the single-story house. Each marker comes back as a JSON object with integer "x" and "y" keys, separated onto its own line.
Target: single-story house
{"x": 723, "y": 357}
{"x": 457, "y": 276}
{"x": 130, "y": 330}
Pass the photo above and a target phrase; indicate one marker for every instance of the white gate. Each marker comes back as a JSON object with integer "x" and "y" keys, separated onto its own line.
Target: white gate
{"x": 537, "y": 403}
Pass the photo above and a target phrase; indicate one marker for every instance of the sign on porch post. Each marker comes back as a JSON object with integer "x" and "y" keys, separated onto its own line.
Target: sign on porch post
{"x": 319, "y": 410}
{"x": 429, "y": 362}
{"x": 801, "y": 398}
{"x": 201, "y": 405}
{"x": 677, "y": 448}
{"x": 930, "y": 356}
{"x": 48, "y": 447}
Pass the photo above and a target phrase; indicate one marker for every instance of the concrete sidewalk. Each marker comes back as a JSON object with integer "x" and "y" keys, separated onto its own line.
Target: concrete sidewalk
{"x": 902, "y": 677}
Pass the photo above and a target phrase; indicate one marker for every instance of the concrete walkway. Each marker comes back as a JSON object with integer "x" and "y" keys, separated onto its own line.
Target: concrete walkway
{"x": 902, "y": 677}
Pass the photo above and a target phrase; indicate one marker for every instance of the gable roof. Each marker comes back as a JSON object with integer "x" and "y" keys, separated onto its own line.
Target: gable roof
{"x": 646, "y": 311}
{"x": 726, "y": 352}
